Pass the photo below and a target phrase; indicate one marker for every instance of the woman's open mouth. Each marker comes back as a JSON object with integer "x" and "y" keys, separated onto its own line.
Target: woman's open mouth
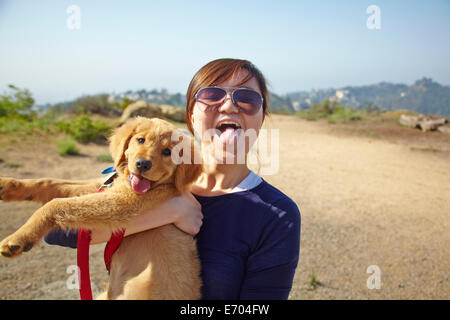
{"x": 228, "y": 125}
{"x": 229, "y": 131}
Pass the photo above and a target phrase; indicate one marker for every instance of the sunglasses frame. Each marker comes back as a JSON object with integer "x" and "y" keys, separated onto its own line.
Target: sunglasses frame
{"x": 232, "y": 96}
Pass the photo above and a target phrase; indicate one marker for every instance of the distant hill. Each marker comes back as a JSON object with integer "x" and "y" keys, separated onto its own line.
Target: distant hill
{"x": 424, "y": 96}
{"x": 111, "y": 104}
{"x": 151, "y": 96}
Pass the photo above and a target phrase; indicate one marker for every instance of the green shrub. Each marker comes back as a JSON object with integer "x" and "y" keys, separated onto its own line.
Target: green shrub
{"x": 67, "y": 146}
{"x": 123, "y": 104}
{"x": 96, "y": 104}
{"x": 307, "y": 115}
{"x": 11, "y": 124}
{"x": 332, "y": 111}
{"x": 18, "y": 103}
{"x": 106, "y": 157}
{"x": 313, "y": 282}
{"x": 17, "y": 123}
{"x": 13, "y": 165}
{"x": 17, "y": 114}
{"x": 342, "y": 113}
{"x": 84, "y": 129}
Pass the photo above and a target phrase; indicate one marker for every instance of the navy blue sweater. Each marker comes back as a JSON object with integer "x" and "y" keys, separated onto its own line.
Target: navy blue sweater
{"x": 249, "y": 244}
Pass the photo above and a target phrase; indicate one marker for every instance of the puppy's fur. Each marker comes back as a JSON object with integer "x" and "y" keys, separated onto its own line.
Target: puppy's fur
{"x": 161, "y": 263}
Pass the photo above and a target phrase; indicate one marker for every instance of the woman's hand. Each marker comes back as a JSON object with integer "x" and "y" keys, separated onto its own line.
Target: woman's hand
{"x": 187, "y": 211}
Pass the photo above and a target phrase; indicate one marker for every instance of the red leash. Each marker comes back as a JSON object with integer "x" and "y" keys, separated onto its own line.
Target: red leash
{"x": 84, "y": 240}
{"x": 111, "y": 247}
{"x": 84, "y": 279}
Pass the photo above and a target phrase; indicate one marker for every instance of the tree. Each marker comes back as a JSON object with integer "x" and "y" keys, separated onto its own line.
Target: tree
{"x": 17, "y": 103}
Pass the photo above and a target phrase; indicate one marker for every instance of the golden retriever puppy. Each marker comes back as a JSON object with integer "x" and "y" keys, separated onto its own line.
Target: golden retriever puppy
{"x": 161, "y": 263}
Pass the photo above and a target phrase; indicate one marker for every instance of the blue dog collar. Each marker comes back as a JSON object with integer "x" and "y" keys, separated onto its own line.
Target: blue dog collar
{"x": 108, "y": 170}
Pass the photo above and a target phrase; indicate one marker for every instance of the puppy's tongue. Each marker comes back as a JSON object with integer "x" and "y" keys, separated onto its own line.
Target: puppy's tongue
{"x": 139, "y": 184}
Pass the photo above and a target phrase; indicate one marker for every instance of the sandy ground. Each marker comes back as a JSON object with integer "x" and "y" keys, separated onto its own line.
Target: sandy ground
{"x": 366, "y": 199}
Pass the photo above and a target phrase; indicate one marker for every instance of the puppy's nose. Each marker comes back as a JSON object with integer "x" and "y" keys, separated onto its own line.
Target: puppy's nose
{"x": 143, "y": 165}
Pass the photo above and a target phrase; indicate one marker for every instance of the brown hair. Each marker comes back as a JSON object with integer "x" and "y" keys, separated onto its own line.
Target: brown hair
{"x": 218, "y": 71}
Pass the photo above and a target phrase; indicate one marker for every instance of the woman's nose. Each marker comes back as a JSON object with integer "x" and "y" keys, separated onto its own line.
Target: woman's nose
{"x": 228, "y": 106}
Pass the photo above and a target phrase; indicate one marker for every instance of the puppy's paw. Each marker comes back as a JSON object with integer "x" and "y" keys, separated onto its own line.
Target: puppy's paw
{"x": 12, "y": 190}
{"x": 17, "y": 243}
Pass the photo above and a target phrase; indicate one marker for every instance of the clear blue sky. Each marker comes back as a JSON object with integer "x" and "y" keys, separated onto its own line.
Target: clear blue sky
{"x": 298, "y": 45}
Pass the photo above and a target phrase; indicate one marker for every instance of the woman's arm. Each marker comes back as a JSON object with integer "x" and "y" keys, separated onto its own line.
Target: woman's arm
{"x": 183, "y": 211}
{"x": 271, "y": 267}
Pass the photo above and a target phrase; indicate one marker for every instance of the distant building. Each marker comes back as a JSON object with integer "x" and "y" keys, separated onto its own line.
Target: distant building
{"x": 341, "y": 94}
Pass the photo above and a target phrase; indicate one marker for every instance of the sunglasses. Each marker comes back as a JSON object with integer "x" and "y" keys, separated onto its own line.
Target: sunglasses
{"x": 248, "y": 101}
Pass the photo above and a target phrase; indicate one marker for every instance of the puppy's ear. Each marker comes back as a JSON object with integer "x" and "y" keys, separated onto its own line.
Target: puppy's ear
{"x": 187, "y": 173}
{"x": 118, "y": 142}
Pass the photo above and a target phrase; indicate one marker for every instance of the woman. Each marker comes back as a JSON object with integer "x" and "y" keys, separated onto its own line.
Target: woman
{"x": 249, "y": 239}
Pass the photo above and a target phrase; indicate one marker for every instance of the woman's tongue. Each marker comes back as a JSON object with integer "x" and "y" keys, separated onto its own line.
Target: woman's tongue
{"x": 140, "y": 184}
{"x": 229, "y": 135}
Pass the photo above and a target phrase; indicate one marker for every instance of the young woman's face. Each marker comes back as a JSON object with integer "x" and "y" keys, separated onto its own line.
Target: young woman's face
{"x": 204, "y": 123}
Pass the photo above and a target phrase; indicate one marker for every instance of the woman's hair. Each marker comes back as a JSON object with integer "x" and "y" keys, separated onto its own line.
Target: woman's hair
{"x": 218, "y": 71}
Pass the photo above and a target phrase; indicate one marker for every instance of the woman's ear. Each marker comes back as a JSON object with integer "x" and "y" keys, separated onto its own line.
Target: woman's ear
{"x": 187, "y": 172}
{"x": 118, "y": 142}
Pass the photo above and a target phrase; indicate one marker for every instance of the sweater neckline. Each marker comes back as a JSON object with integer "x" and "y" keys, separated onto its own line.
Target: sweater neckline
{"x": 250, "y": 184}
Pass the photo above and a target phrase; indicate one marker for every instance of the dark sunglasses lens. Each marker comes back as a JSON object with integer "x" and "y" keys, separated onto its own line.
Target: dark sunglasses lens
{"x": 248, "y": 100}
{"x": 211, "y": 95}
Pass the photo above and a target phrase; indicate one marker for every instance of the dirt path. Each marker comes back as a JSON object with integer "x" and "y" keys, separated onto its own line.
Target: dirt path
{"x": 364, "y": 201}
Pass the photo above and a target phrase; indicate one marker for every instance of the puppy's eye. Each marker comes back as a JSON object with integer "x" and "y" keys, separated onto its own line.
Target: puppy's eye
{"x": 141, "y": 140}
{"x": 166, "y": 152}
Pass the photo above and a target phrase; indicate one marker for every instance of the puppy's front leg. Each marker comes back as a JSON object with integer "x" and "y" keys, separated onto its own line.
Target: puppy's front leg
{"x": 112, "y": 210}
{"x": 28, "y": 235}
{"x": 44, "y": 190}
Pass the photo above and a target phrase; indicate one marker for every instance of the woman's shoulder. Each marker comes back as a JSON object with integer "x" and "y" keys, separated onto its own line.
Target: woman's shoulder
{"x": 277, "y": 208}
{"x": 281, "y": 221}
{"x": 275, "y": 197}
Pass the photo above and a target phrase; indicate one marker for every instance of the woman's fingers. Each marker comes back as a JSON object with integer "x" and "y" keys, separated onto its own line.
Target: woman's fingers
{"x": 190, "y": 217}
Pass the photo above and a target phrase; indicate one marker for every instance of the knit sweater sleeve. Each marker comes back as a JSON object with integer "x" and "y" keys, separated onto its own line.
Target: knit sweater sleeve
{"x": 272, "y": 264}
{"x": 65, "y": 239}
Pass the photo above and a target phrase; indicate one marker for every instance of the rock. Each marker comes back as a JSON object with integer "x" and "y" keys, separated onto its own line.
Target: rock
{"x": 422, "y": 122}
{"x": 141, "y": 108}
{"x": 428, "y": 125}
{"x": 27, "y": 286}
{"x": 409, "y": 121}
{"x": 150, "y": 110}
{"x": 444, "y": 129}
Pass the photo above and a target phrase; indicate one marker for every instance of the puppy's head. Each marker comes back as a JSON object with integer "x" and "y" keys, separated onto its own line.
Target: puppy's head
{"x": 142, "y": 150}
